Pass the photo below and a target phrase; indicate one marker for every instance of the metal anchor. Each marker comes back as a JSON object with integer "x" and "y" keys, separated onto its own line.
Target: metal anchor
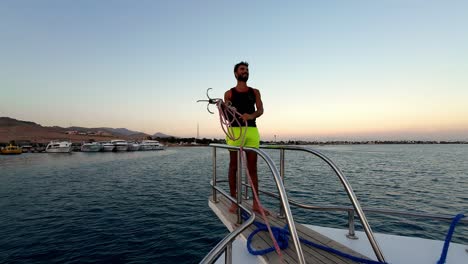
{"x": 210, "y": 101}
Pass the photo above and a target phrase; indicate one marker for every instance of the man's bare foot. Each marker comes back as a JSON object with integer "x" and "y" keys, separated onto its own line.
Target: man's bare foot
{"x": 233, "y": 208}
{"x": 256, "y": 209}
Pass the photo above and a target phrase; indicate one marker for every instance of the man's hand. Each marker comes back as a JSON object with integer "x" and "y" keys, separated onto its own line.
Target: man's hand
{"x": 247, "y": 117}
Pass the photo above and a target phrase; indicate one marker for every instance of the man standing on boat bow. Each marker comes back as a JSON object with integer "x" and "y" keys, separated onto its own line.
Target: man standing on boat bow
{"x": 248, "y": 103}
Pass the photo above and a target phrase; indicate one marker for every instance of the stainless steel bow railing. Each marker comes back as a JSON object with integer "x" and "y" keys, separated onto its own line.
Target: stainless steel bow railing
{"x": 344, "y": 181}
{"x": 351, "y": 210}
{"x": 225, "y": 243}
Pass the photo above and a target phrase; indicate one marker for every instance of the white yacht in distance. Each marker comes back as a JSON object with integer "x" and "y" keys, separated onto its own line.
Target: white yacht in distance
{"x": 59, "y": 147}
{"x": 107, "y": 146}
{"x": 91, "y": 147}
{"x": 120, "y": 145}
{"x": 151, "y": 145}
{"x": 133, "y": 146}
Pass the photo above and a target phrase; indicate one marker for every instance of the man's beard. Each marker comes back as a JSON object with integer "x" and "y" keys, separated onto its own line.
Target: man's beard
{"x": 243, "y": 78}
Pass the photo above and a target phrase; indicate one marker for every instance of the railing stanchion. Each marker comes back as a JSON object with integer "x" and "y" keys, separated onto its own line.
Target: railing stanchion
{"x": 281, "y": 208}
{"x": 228, "y": 254}
{"x": 239, "y": 185}
{"x": 246, "y": 189}
{"x": 215, "y": 197}
{"x": 351, "y": 234}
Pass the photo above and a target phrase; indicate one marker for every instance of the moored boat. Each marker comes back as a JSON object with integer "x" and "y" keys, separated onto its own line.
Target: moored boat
{"x": 120, "y": 145}
{"x": 91, "y": 147}
{"x": 133, "y": 146}
{"x": 38, "y": 148}
{"x": 27, "y": 148}
{"x": 59, "y": 147}
{"x": 151, "y": 145}
{"x": 107, "y": 146}
{"x": 11, "y": 150}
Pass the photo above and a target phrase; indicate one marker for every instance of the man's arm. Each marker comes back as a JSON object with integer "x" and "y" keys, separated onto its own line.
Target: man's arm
{"x": 227, "y": 97}
{"x": 259, "y": 106}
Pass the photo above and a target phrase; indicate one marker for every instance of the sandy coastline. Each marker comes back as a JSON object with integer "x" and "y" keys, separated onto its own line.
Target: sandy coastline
{"x": 35, "y": 135}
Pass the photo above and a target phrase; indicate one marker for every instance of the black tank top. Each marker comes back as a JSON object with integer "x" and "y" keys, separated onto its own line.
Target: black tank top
{"x": 244, "y": 102}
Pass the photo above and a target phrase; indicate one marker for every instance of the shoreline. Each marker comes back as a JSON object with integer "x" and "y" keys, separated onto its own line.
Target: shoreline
{"x": 206, "y": 143}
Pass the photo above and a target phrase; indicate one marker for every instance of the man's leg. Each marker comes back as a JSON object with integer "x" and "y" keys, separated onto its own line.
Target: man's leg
{"x": 252, "y": 166}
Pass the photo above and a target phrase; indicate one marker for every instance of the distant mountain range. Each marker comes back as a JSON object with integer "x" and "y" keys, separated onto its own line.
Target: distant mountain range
{"x": 11, "y": 129}
{"x": 161, "y": 135}
{"x": 122, "y": 131}
{"x": 8, "y": 122}
{"x": 114, "y": 131}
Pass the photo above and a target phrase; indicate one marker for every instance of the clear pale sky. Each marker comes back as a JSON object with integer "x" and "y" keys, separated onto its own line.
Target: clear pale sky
{"x": 326, "y": 70}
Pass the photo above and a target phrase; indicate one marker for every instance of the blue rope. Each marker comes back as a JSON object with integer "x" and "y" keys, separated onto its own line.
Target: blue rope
{"x": 339, "y": 253}
{"x": 282, "y": 237}
{"x": 448, "y": 238}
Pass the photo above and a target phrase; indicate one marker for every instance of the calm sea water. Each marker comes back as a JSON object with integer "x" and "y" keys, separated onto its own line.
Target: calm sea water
{"x": 151, "y": 207}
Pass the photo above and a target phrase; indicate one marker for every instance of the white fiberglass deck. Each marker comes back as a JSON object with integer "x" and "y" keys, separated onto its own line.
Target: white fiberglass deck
{"x": 262, "y": 240}
{"x": 397, "y": 249}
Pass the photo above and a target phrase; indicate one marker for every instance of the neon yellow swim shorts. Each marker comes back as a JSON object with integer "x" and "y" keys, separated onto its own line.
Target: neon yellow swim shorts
{"x": 252, "y": 137}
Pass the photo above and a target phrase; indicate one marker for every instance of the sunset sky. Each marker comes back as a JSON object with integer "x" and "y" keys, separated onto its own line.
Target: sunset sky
{"x": 327, "y": 70}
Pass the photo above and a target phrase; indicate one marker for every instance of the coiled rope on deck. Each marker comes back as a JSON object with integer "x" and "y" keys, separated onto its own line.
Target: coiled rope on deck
{"x": 282, "y": 236}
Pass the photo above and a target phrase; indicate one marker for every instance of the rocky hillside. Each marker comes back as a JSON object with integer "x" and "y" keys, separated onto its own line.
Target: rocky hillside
{"x": 18, "y": 130}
